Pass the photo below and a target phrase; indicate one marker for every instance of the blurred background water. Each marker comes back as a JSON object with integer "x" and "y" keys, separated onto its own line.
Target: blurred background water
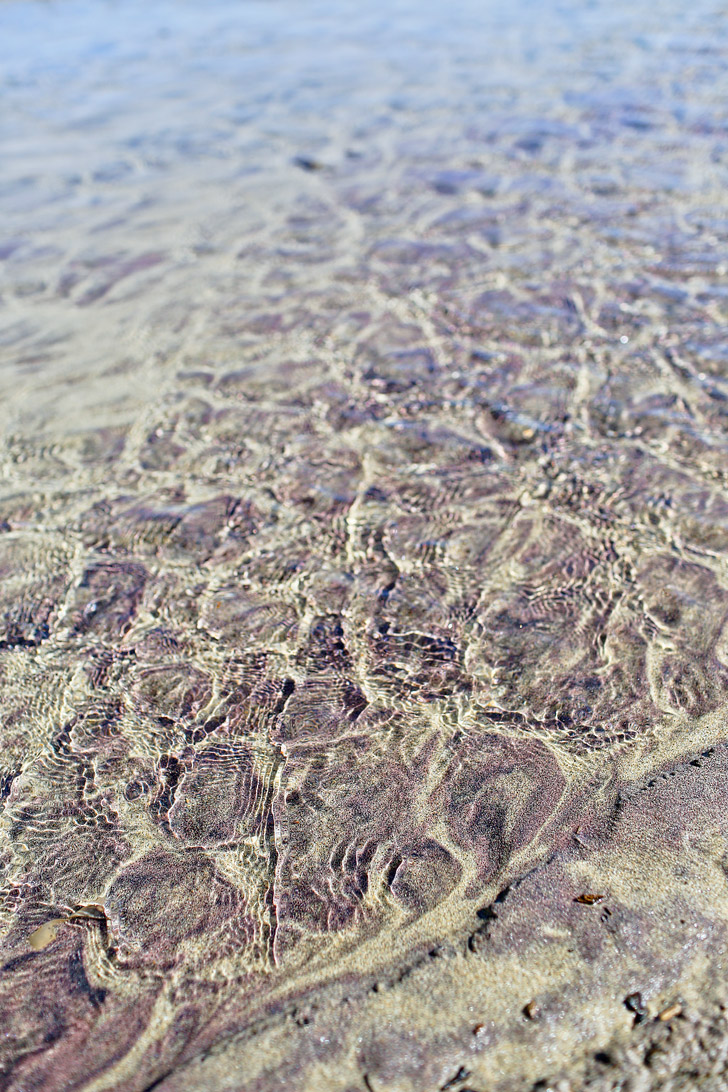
{"x": 162, "y": 138}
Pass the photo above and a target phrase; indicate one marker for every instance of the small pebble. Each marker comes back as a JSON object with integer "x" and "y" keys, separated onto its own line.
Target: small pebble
{"x": 670, "y": 1012}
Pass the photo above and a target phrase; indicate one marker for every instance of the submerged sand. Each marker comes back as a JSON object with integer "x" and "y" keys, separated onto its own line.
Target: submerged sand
{"x": 364, "y": 621}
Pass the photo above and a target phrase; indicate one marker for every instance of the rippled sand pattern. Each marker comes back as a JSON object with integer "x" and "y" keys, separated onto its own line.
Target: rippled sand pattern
{"x": 363, "y": 541}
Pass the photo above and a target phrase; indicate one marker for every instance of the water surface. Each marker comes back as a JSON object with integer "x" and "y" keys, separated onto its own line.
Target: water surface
{"x": 363, "y": 513}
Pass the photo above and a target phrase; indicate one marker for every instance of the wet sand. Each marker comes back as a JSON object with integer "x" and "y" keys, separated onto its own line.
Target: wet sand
{"x": 364, "y": 622}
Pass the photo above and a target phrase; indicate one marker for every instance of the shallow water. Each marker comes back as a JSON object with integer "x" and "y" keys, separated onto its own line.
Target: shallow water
{"x": 364, "y": 400}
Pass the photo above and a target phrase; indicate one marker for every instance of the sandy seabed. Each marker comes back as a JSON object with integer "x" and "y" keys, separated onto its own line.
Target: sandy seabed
{"x": 363, "y": 543}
